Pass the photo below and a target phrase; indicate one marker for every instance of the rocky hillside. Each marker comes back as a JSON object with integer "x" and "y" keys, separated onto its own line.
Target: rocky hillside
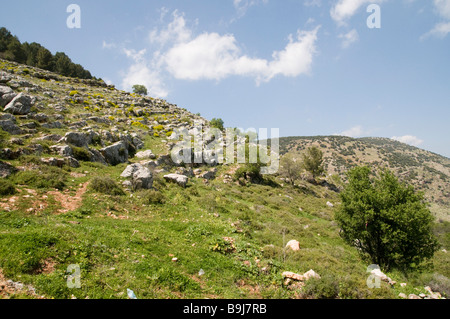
{"x": 88, "y": 184}
{"x": 426, "y": 171}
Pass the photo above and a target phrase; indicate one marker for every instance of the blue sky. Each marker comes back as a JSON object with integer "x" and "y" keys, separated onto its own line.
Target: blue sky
{"x": 307, "y": 67}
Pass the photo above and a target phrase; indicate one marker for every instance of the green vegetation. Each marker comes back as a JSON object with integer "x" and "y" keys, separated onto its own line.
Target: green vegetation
{"x": 6, "y": 187}
{"x": 42, "y": 177}
{"x": 34, "y": 54}
{"x": 105, "y": 185}
{"x": 312, "y": 161}
{"x": 217, "y": 123}
{"x": 140, "y": 89}
{"x": 386, "y": 220}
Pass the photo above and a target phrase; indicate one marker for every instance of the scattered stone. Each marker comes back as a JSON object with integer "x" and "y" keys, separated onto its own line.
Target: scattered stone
{"x": 209, "y": 175}
{"x": 20, "y": 105}
{"x": 330, "y": 204}
{"x": 146, "y": 154}
{"x": 140, "y": 175}
{"x": 116, "y": 153}
{"x": 402, "y": 295}
{"x": 293, "y": 245}
{"x": 75, "y": 138}
{"x": 6, "y": 169}
{"x": 10, "y": 127}
{"x": 311, "y": 274}
{"x": 177, "y": 178}
{"x": 294, "y": 276}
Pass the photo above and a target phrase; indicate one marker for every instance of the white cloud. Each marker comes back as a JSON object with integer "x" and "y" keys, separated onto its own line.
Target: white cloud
{"x": 443, "y": 8}
{"x": 312, "y": 3}
{"x": 242, "y": 6}
{"x": 356, "y": 131}
{"x": 177, "y": 52}
{"x": 441, "y": 29}
{"x": 345, "y": 9}
{"x": 408, "y": 139}
{"x": 349, "y": 38}
{"x": 106, "y": 45}
{"x": 212, "y": 56}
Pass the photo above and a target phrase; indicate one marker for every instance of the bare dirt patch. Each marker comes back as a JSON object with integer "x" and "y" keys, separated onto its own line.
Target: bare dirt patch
{"x": 69, "y": 202}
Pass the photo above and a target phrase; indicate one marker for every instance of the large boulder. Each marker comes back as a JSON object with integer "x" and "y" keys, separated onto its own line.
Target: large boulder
{"x": 140, "y": 175}
{"x": 6, "y": 169}
{"x": 20, "y": 105}
{"x": 75, "y": 138}
{"x": 116, "y": 153}
{"x": 6, "y": 95}
{"x": 10, "y": 127}
{"x": 177, "y": 178}
{"x": 293, "y": 245}
{"x": 4, "y": 77}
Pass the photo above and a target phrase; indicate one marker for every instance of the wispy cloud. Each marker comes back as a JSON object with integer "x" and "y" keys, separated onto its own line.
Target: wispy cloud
{"x": 355, "y": 131}
{"x": 349, "y": 38}
{"x": 242, "y": 6}
{"x": 441, "y": 29}
{"x": 345, "y": 9}
{"x": 408, "y": 139}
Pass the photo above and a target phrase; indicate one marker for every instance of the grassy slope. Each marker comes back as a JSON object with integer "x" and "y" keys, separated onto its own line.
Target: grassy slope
{"x": 125, "y": 241}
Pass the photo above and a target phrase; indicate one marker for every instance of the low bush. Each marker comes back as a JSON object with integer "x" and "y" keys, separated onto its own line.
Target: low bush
{"x": 151, "y": 196}
{"x": 105, "y": 185}
{"x": 42, "y": 177}
{"x": 6, "y": 187}
{"x": 81, "y": 154}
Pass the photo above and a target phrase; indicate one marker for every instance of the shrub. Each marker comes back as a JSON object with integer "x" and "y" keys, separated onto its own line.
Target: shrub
{"x": 105, "y": 185}
{"x": 80, "y": 153}
{"x": 151, "y": 197}
{"x": 43, "y": 177}
{"x": 217, "y": 123}
{"x": 72, "y": 93}
{"x": 6, "y": 187}
{"x": 324, "y": 288}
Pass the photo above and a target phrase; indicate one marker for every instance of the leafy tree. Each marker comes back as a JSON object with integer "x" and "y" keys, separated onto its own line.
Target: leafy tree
{"x": 15, "y": 51}
{"x": 386, "y": 220}
{"x": 63, "y": 64}
{"x": 313, "y": 160}
{"x": 290, "y": 167}
{"x": 44, "y": 59}
{"x": 31, "y": 51}
{"x": 217, "y": 123}
{"x": 140, "y": 89}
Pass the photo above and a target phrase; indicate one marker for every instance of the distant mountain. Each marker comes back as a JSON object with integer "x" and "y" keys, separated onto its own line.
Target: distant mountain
{"x": 426, "y": 171}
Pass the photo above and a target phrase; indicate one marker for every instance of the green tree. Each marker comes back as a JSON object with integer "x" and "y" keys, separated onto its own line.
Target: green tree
{"x": 313, "y": 161}
{"x": 63, "y": 64}
{"x": 15, "y": 51}
{"x": 386, "y": 220}
{"x": 44, "y": 59}
{"x": 290, "y": 167}
{"x": 217, "y": 123}
{"x": 140, "y": 89}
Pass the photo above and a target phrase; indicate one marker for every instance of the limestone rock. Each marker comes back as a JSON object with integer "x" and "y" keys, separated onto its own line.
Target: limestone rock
{"x": 177, "y": 178}
{"x": 20, "y": 105}
{"x": 116, "y": 153}
{"x": 311, "y": 274}
{"x": 293, "y": 244}
{"x": 146, "y": 154}
{"x": 6, "y": 169}
{"x": 292, "y": 275}
{"x": 10, "y": 127}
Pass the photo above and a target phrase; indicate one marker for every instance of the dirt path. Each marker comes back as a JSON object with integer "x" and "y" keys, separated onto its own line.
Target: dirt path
{"x": 67, "y": 201}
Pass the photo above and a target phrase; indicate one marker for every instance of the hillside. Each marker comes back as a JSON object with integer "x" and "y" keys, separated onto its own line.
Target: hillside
{"x": 85, "y": 183}
{"x": 426, "y": 171}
